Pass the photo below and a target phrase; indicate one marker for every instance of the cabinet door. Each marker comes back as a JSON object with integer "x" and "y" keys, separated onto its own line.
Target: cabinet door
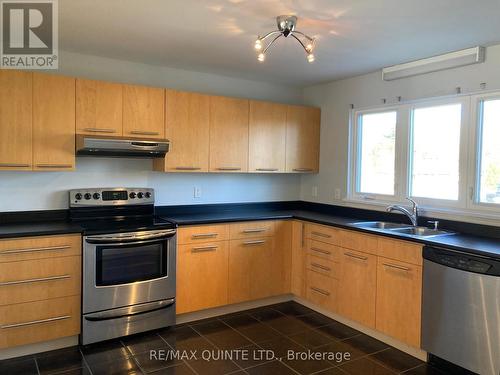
{"x": 250, "y": 267}
{"x": 357, "y": 288}
{"x": 302, "y": 139}
{"x": 201, "y": 276}
{"x": 16, "y": 107}
{"x": 298, "y": 259}
{"x": 399, "y": 300}
{"x": 53, "y": 122}
{"x": 267, "y": 135}
{"x": 143, "y": 111}
{"x": 228, "y": 134}
{"x": 98, "y": 107}
{"x": 187, "y": 119}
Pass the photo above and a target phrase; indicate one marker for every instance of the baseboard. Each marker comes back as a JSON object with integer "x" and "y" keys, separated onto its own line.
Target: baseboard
{"x": 415, "y": 352}
{"x": 40, "y": 347}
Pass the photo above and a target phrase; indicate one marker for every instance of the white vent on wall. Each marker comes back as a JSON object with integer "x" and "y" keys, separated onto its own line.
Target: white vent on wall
{"x": 432, "y": 64}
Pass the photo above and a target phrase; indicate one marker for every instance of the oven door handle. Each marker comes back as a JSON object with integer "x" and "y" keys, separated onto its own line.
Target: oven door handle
{"x": 130, "y": 310}
{"x": 130, "y": 238}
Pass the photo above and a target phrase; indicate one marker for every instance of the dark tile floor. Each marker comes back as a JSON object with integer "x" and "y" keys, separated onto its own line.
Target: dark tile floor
{"x": 258, "y": 339}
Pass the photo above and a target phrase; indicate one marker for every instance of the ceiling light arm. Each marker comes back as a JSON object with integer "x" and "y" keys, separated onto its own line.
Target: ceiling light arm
{"x": 272, "y": 42}
{"x": 302, "y": 44}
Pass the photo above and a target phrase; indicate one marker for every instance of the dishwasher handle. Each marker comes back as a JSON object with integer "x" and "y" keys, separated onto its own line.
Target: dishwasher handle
{"x": 462, "y": 260}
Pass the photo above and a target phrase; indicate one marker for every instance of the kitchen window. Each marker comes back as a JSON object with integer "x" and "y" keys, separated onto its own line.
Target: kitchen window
{"x": 444, "y": 153}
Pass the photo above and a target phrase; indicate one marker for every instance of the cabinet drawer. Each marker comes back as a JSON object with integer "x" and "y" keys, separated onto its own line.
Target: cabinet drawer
{"x": 323, "y": 266}
{"x": 323, "y": 250}
{"x": 39, "y": 247}
{"x": 400, "y": 250}
{"x": 321, "y": 290}
{"x": 202, "y": 233}
{"x": 358, "y": 241}
{"x": 31, "y": 322}
{"x": 322, "y": 233}
{"x": 251, "y": 229}
{"x": 40, "y": 279}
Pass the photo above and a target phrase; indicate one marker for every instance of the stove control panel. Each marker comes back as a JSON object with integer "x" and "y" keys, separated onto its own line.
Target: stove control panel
{"x": 110, "y": 197}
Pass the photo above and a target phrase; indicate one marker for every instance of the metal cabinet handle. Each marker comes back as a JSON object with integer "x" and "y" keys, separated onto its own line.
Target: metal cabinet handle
{"x": 19, "y": 251}
{"x": 257, "y": 242}
{"x": 229, "y": 168}
{"x": 141, "y": 132}
{"x": 204, "y": 235}
{"x": 321, "y": 291}
{"x": 99, "y": 130}
{"x": 302, "y": 169}
{"x": 54, "y": 165}
{"x": 319, "y": 234}
{"x": 14, "y": 165}
{"x": 321, "y": 251}
{"x": 267, "y": 169}
{"x": 356, "y": 256}
{"x": 41, "y": 279}
{"x": 407, "y": 269}
{"x": 187, "y": 168}
{"x": 203, "y": 249}
{"x": 48, "y": 320}
{"x": 321, "y": 266}
{"x": 256, "y": 230}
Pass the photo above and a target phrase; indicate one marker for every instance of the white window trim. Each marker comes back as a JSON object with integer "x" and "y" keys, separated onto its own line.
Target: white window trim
{"x": 468, "y": 205}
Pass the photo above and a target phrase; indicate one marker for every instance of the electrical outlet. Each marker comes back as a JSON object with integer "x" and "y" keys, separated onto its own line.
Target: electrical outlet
{"x": 197, "y": 192}
{"x": 337, "y": 194}
{"x": 314, "y": 191}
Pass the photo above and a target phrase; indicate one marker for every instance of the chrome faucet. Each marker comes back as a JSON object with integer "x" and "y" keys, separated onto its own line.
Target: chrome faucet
{"x": 412, "y": 215}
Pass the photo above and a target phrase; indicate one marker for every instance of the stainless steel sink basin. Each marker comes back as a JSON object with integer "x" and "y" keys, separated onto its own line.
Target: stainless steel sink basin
{"x": 381, "y": 225}
{"x": 421, "y": 231}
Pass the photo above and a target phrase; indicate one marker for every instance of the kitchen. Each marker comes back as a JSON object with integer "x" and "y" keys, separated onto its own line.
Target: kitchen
{"x": 286, "y": 193}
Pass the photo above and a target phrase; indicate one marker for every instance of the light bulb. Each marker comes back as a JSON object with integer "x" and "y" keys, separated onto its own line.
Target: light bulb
{"x": 258, "y": 45}
{"x": 310, "y": 57}
{"x": 261, "y": 57}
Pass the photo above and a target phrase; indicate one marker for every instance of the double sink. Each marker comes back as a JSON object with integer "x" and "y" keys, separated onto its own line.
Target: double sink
{"x": 402, "y": 229}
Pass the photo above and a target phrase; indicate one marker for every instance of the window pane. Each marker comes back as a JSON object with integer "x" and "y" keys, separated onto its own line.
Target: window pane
{"x": 489, "y": 189}
{"x": 436, "y": 152}
{"x": 377, "y": 137}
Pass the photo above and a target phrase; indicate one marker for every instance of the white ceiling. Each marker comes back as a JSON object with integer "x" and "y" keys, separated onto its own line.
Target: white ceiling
{"x": 354, "y": 36}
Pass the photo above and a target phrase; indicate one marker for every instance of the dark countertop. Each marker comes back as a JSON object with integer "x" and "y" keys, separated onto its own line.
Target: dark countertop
{"x": 473, "y": 244}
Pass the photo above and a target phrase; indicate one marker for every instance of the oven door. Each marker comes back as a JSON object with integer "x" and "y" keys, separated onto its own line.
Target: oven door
{"x": 128, "y": 269}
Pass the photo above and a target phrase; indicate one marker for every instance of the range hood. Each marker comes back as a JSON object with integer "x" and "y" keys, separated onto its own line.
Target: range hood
{"x": 89, "y": 145}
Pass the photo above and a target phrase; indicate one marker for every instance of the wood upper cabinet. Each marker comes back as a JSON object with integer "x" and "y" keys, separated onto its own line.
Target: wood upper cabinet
{"x": 187, "y": 129}
{"x": 357, "y": 287}
{"x": 302, "y": 139}
{"x": 143, "y": 111}
{"x": 53, "y": 122}
{"x": 228, "y": 134}
{"x": 16, "y": 106}
{"x": 98, "y": 107}
{"x": 267, "y": 136}
{"x": 399, "y": 300}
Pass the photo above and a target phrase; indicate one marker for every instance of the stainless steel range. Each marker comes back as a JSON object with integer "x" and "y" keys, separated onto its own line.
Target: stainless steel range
{"x": 128, "y": 263}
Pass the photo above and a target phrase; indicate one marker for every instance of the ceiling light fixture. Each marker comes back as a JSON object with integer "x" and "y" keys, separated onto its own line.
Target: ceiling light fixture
{"x": 286, "y": 27}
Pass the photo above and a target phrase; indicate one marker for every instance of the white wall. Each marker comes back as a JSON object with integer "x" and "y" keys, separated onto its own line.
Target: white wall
{"x": 48, "y": 190}
{"x": 368, "y": 90}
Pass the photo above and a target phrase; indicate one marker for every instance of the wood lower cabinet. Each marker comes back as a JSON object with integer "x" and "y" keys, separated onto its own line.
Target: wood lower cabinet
{"x": 358, "y": 287}
{"x": 187, "y": 129}
{"x": 202, "y": 276}
{"x": 399, "y": 300}
{"x": 16, "y": 106}
{"x": 228, "y": 134}
{"x": 99, "y": 107}
{"x": 53, "y": 122}
{"x": 302, "y": 139}
{"x": 267, "y": 137}
{"x": 143, "y": 111}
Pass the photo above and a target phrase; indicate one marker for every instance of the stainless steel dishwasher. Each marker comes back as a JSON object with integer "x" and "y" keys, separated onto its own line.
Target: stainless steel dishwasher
{"x": 461, "y": 309}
